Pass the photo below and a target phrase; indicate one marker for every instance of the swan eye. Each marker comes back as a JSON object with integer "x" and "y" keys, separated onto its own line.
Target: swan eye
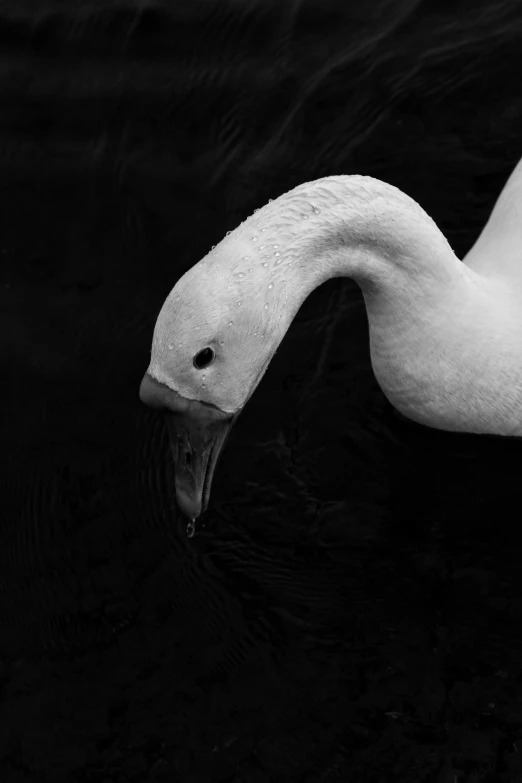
{"x": 204, "y": 358}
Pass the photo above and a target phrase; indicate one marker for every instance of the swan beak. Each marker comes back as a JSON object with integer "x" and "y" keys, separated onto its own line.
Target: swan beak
{"x": 197, "y": 432}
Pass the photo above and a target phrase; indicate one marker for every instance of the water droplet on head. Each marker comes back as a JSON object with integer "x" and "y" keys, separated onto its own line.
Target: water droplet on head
{"x": 238, "y": 304}
{"x": 222, "y": 342}
{"x": 275, "y": 247}
{"x": 254, "y": 239}
{"x": 250, "y": 270}
{"x": 305, "y": 217}
{"x": 279, "y": 261}
{"x": 230, "y": 323}
{"x": 263, "y": 229}
{"x": 270, "y": 285}
{"x": 170, "y": 346}
{"x": 277, "y": 253}
{"x": 266, "y": 307}
{"x": 262, "y": 247}
{"x": 241, "y": 274}
{"x": 265, "y": 263}
{"x": 317, "y": 210}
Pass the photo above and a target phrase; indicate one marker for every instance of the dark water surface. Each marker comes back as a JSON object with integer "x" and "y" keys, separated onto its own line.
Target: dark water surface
{"x": 351, "y": 608}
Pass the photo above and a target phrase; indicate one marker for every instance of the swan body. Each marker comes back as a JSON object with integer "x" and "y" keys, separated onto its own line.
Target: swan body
{"x": 445, "y": 335}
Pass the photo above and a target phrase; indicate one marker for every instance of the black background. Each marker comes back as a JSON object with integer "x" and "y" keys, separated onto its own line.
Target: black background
{"x": 350, "y": 608}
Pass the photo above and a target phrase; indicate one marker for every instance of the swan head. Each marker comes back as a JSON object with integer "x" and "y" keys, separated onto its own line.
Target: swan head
{"x": 213, "y": 340}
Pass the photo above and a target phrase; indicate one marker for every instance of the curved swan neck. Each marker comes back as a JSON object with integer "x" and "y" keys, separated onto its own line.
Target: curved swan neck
{"x": 444, "y": 339}
{"x": 357, "y": 227}
{"x": 440, "y": 332}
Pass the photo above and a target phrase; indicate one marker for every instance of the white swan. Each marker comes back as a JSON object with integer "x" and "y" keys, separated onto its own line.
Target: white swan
{"x": 445, "y": 336}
